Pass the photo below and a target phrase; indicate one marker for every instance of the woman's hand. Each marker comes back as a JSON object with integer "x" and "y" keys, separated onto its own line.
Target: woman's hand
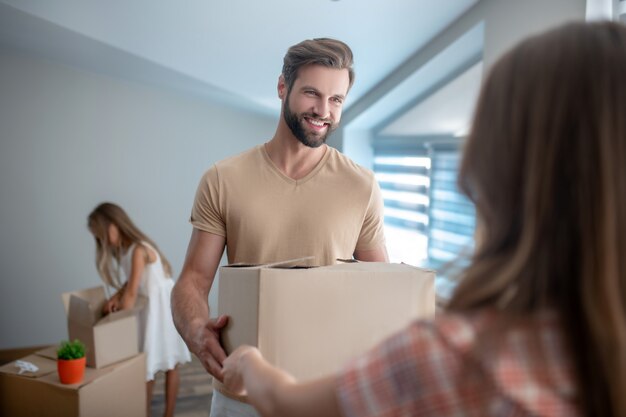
{"x": 234, "y": 366}
{"x": 273, "y": 392}
{"x": 111, "y": 306}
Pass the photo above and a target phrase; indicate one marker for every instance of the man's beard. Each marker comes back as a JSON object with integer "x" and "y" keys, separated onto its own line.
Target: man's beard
{"x": 296, "y": 124}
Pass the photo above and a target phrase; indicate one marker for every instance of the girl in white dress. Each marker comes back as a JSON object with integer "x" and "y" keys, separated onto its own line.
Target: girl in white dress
{"x": 121, "y": 245}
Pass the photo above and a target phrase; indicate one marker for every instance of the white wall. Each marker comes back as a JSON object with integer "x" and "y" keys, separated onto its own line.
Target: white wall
{"x": 357, "y": 145}
{"x": 70, "y": 139}
{"x": 506, "y": 22}
{"x": 509, "y": 21}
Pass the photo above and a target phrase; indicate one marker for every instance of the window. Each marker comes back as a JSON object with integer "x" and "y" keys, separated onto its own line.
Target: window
{"x": 403, "y": 172}
{"x": 428, "y": 222}
{"x": 452, "y": 215}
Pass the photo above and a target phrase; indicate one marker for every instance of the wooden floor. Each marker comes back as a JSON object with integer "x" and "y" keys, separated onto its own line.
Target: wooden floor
{"x": 194, "y": 396}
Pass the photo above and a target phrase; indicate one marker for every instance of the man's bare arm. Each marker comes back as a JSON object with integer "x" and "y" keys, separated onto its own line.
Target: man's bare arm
{"x": 190, "y": 306}
{"x": 374, "y": 255}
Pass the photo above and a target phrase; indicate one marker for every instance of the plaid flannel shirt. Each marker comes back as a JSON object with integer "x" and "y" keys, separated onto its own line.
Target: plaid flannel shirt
{"x": 464, "y": 366}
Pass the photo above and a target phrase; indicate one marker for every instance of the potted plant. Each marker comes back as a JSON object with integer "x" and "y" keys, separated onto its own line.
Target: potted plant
{"x": 71, "y": 361}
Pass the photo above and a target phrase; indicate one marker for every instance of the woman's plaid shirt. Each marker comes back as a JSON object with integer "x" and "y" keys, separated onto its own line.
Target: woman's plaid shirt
{"x": 472, "y": 365}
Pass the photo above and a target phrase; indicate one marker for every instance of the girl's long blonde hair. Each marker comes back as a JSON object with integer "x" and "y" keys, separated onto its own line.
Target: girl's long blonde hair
{"x": 107, "y": 255}
{"x": 545, "y": 164}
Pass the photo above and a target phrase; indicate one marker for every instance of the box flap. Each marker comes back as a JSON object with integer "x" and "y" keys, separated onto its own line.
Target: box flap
{"x": 290, "y": 263}
{"x": 44, "y": 365}
{"x": 45, "y": 360}
{"x": 306, "y": 261}
{"x": 374, "y": 267}
{"x": 95, "y": 296}
{"x": 50, "y": 352}
{"x": 65, "y": 297}
{"x": 83, "y": 311}
{"x": 140, "y": 304}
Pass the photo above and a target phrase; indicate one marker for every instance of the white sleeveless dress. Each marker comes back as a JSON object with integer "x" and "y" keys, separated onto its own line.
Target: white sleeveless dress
{"x": 158, "y": 338}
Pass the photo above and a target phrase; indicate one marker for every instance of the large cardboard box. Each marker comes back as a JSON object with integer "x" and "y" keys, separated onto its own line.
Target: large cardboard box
{"x": 109, "y": 338}
{"x": 310, "y": 321}
{"x": 116, "y": 390}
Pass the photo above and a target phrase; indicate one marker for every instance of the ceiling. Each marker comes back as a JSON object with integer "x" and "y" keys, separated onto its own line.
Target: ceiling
{"x": 229, "y": 50}
{"x": 446, "y": 111}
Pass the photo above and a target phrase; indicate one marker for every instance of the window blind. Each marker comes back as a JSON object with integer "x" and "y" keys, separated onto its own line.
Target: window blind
{"x": 452, "y": 216}
{"x": 403, "y": 173}
{"x": 423, "y": 206}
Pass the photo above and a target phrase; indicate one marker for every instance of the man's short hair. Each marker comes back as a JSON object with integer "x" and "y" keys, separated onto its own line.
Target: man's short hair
{"x": 327, "y": 52}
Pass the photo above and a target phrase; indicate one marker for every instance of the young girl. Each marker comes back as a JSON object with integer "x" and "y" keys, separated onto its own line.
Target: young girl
{"x": 121, "y": 245}
{"x": 537, "y": 325}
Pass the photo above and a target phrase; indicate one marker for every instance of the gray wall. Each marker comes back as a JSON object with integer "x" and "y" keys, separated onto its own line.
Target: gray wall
{"x": 70, "y": 139}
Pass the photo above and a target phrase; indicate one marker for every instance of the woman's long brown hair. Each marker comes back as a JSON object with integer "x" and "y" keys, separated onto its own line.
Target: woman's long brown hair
{"x": 545, "y": 165}
{"x": 108, "y": 256}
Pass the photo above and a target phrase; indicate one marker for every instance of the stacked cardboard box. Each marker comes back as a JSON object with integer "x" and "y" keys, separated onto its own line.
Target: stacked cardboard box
{"x": 114, "y": 382}
{"x": 114, "y": 390}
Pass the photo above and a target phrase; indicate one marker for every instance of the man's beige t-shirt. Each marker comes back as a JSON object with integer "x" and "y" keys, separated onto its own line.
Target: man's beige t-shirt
{"x": 267, "y": 217}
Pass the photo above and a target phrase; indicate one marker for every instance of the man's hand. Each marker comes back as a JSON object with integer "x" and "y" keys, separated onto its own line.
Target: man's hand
{"x": 206, "y": 346}
{"x": 190, "y": 308}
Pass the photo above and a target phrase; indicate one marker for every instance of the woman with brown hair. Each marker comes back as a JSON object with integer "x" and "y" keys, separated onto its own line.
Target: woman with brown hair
{"x": 537, "y": 324}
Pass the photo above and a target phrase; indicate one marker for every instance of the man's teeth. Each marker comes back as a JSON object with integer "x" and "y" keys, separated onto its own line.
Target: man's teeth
{"x": 316, "y": 122}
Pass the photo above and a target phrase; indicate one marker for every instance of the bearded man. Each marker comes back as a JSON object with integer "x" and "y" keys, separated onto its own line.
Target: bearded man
{"x": 291, "y": 197}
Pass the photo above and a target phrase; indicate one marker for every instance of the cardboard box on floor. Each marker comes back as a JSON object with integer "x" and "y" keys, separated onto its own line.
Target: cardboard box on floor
{"x": 310, "y": 321}
{"x": 116, "y": 390}
{"x": 109, "y": 338}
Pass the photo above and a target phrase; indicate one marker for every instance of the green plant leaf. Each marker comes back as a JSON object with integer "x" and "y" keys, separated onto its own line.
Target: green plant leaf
{"x": 71, "y": 350}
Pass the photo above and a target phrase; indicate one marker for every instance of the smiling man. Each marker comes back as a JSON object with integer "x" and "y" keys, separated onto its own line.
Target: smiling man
{"x": 291, "y": 197}
{"x": 324, "y": 113}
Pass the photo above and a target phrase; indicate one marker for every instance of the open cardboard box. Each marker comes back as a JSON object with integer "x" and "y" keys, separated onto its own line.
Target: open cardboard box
{"x": 109, "y": 338}
{"x": 116, "y": 390}
{"x": 310, "y": 321}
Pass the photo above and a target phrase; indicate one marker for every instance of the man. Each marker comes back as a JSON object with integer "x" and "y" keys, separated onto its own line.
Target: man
{"x": 291, "y": 197}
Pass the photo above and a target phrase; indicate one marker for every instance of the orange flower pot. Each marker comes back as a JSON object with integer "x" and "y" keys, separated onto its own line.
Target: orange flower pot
{"x": 71, "y": 371}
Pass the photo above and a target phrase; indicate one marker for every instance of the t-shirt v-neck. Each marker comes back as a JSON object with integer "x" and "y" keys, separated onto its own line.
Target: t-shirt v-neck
{"x": 288, "y": 179}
